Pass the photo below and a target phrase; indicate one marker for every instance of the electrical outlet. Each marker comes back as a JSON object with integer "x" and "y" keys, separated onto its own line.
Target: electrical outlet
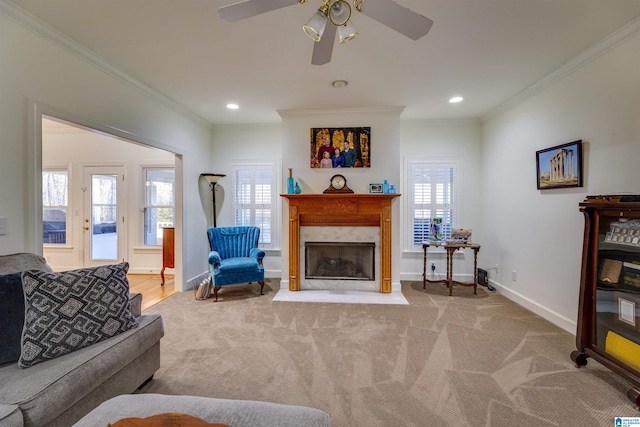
{"x": 497, "y": 270}
{"x": 513, "y": 275}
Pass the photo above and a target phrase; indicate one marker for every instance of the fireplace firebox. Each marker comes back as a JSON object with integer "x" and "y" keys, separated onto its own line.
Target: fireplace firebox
{"x": 340, "y": 260}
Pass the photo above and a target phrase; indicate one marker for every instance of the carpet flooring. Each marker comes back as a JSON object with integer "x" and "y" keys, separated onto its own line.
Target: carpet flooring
{"x": 465, "y": 360}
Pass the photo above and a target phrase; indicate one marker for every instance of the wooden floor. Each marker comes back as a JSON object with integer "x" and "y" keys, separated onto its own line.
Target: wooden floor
{"x": 149, "y": 286}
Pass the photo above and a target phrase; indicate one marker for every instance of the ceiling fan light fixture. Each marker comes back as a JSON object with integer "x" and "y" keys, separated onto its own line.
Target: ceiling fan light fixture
{"x": 339, "y": 12}
{"x": 316, "y": 25}
{"x": 347, "y": 32}
{"x": 387, "y": 12}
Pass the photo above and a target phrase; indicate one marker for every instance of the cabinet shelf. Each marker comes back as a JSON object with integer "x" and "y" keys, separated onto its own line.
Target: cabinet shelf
{"x": 608, "y": 328}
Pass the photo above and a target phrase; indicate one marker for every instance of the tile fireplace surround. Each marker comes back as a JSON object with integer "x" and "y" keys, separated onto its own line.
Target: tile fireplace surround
{"x": 341, "y": 210}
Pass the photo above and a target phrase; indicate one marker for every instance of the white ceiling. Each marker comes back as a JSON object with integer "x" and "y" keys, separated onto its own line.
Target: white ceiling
{"x": 487, "y": 51}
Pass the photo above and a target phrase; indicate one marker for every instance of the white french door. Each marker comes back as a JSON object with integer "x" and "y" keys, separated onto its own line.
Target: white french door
{"x": 104, "y": 220}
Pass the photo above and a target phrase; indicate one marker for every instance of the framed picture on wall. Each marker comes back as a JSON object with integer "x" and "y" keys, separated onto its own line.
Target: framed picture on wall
{"x": 340, "y": 147}
{"x": 559, "y": 166}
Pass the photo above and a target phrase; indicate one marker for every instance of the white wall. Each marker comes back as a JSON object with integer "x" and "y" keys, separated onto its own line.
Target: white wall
{"x": 37, "y": 72}
{"x": 385, "y": 163}
{"x": 73, "y": 149}
{"x": 539, "y": 234}
{"x": 242, "y": 144}
{"x": 426, "y": 139}
{"x": 444, "y": 140}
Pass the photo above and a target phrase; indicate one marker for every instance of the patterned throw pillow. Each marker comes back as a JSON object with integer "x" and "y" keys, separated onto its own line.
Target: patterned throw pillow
{"x": 73, "y": 309}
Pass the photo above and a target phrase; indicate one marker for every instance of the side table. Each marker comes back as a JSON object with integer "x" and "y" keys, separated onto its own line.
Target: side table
{"x": 451, "y": 248}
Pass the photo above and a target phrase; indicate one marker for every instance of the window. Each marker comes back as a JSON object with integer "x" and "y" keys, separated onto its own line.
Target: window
{"x": 254, "y": 201}
{"x": 159, "y": 203}
{"x": 432, "y": 195}
{"x": 55, "y": 204}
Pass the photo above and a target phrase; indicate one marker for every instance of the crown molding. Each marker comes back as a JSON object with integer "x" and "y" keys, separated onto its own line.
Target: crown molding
{"x": 30, "y": 22}
{"x": 328, "y": 111}
{"x": 473, "y": 121}
{"x": 626, "y": 32}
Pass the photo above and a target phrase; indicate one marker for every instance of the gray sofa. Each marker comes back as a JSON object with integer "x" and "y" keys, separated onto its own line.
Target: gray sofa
{"x": 236, "y": 413}
{"x": 60, "y": 391}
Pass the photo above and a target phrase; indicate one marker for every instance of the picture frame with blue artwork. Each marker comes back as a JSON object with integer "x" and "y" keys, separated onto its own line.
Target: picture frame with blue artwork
{"x": 559, "y": 166}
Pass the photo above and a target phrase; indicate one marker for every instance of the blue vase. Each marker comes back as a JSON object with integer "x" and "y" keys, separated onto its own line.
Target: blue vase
{"x": 290, "y": 182}
{"x": 385, "y": 187}
{"x": 297, "y": 189}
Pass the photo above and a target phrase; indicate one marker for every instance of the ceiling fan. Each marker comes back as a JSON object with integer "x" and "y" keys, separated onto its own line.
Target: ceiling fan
{"x": 337, "y": 13}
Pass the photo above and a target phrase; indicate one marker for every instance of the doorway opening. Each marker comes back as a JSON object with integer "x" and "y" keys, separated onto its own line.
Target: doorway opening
{"x": 110, "y": 193}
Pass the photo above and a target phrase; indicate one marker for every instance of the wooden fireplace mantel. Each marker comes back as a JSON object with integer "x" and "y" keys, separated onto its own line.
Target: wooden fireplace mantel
{"x": 368, "y": 210}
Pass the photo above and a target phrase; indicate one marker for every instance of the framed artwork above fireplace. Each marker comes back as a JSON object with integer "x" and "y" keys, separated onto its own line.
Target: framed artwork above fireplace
{"x": 353, "y": 145}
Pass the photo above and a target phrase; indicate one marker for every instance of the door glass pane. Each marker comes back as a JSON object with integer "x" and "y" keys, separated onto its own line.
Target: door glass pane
{"x": 104, "y": 214}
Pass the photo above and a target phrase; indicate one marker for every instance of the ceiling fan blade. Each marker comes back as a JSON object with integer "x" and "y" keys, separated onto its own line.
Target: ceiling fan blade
{"x": 248, "y": 8}
{"x": 403, "y": 20}
{"x": 323, "y": 49}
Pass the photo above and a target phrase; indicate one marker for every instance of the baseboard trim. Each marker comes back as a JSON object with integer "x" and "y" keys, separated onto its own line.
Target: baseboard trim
{"x": 544, "y": 312}
{"x": 196, "y": 280}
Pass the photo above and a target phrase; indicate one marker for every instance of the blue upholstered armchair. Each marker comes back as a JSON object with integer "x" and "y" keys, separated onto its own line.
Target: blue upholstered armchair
{"x": 235, "y": 257}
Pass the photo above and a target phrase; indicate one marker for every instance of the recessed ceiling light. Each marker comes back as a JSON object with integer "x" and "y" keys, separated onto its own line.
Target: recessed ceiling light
{"x": 233, "y": 106}
{"x": 456, "y": 99}
{"x": 339, "y": 83}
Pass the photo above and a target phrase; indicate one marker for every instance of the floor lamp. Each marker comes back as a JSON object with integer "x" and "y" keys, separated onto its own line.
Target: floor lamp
{"x": 212, "y": 179}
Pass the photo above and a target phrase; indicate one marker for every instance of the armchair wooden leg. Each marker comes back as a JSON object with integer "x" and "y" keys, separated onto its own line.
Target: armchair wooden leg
{"x": 261, "y": 286}
{"x": 215, "y": 293}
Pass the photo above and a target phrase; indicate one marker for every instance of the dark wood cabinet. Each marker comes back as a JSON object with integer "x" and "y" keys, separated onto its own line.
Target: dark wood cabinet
{"x": 168, "y": 251}
{"x": 609, "y": 309}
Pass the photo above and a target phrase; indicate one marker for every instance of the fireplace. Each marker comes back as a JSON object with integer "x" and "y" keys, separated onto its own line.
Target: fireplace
{"x": 344, "y": 212}
{"x": 339, "y": 260}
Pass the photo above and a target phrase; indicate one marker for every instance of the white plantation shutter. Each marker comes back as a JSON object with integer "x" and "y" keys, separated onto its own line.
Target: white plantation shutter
{"x": 421, "y": 203}
{"x": 433, "y": 196}
{"x": 254, "y": 199}
{"x": 242, "y": 211}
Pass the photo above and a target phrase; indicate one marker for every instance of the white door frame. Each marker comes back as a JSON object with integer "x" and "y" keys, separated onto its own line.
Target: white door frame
{"x": 89, "y": 238}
